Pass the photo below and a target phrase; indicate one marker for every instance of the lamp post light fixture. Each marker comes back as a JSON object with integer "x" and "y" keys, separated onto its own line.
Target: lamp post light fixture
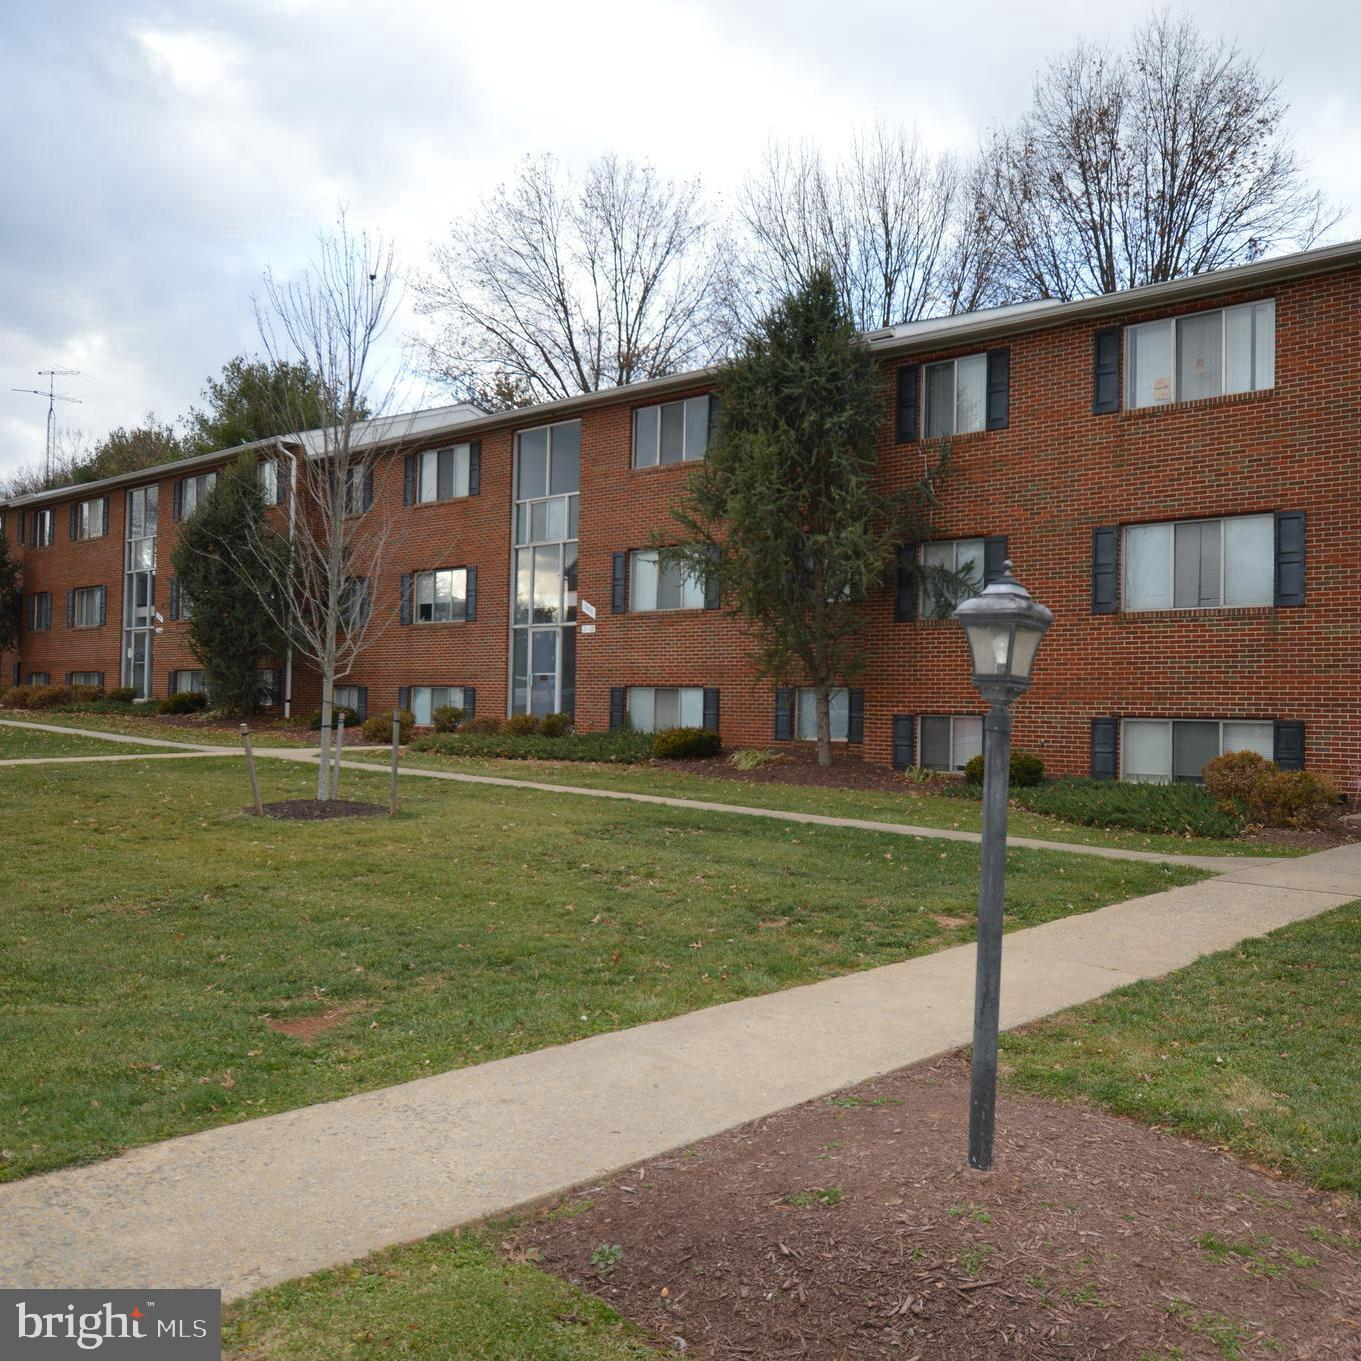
{"x": 1004, "y": 627}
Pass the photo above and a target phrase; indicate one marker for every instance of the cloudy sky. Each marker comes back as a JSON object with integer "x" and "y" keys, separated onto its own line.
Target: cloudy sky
{"x": 159, "y": 155}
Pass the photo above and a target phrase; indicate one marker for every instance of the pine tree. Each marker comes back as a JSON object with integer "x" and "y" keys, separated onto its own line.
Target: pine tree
{"x": 10, "y": 599}
{"x": 230, "y": 631}
{"x": 788, "y": 509}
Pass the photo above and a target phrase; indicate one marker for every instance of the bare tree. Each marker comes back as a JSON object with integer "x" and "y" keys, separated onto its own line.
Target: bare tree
{"x": 554, "y": 287}
{"x": 317, "y": 580}
{"x": 1167, "y": 159}
{"x": 896, "y": 226}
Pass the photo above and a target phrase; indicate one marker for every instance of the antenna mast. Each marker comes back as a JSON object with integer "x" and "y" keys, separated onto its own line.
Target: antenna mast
{"x": 53, "y": 397}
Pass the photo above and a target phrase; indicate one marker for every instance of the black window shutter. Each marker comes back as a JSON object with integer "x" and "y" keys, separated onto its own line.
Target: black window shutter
{"x": 855, "y": 716}
{"x": 469, "y": 701}
{"x": 1288, "y": 746}
{"x": 70, "y": 608}
{"x": 368, "y": 489}
{"x": 1106, "y": 371}
{"x": 1105, "y": 574}
{"x": 617, "y": 699}
{"x": 104, "y": 515}
{"x": 909, "y": 380}
{"x": 619, "y": 584}
{"x": 999, "y": 389}
{"x": 405, "y": 614}
{"x": 784, "y": 714}
{"x": 362, "y": 708}
{"x": 904, "y": 741}
{"x": 404, "y": 697}
{"x": 994, "y": 557}
{"x": 905, "y": 583}
{"x": 1289, "y": 557}
{"x": 712, "y": 595}
{"x": 75, "y": 521}
{"x": 1104, "y": 732}
{"x": 103, "y": 606}
{"x": 711, "y": 710}
{"x": 471, "y": 612}
{"x": 409, "y": 481}
{"x": 475, "y": 467}
{"x": 177, "y": 501}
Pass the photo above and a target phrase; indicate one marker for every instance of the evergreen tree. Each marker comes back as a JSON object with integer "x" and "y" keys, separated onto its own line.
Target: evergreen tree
{"x": 788, "y": 508}
{"x": 10, "y": 599}
{"x": 230, "y": 630}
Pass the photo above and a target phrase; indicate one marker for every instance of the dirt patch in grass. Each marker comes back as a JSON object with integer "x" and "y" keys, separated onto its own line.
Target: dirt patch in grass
{"x": 320, "y": 810}
{"x": 309, "y": 1027}
{"x": 852, "y": 1227}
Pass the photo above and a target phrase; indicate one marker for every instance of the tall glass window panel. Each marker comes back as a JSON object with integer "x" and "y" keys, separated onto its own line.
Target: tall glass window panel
{"x": 547, "y": 585}
{"x": 935, "y": 743}
{"x": 1250, "y": 347}
{"x": 1200, "y": 341}
{"x": 524, "y": 584}
{"x": 565, "y": 470}
{"x": 696, "y": 428}
{"x": 966, "y": 741}
{"x": 645, "y": 426}
{"x": 1196, "y": 566}
{"x": 1249, "y": 560}
{"x": 673, "y": 433}
{"x": 971, "y": 393}
{"x": 1148, "y": 364}
{"x": 1147, "y": 751}
{"x": 1193, "y": 744}
{"x": 1148, "y": 567}
{"x": 531, "y": 474}
{"x": 86, "y": 606}
{"x": 940, "y": 400}
{"x": 1244, "y": 736}
{"x": 543, "y": 671}
{"x": 838, "y": 715}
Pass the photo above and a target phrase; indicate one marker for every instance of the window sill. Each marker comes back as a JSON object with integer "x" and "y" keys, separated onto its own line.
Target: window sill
{"x": 668, "y": 614}
{"x": 435, "y": 505}
{"x": 664, "y": 467}
{"x": 967, "y": 437}
{"x": 438, "y": 623}
{"x": 1201, "y": 613}
{"x": 1197, "y": 403}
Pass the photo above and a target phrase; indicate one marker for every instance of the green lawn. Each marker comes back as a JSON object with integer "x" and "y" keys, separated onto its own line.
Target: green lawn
{"x": 1254, "y": 1049}
{"x": 150, "y": 725}
{"x": 18, "y": 742}
{"x": 148, "y": 928}
{"x": 911, "y": 806}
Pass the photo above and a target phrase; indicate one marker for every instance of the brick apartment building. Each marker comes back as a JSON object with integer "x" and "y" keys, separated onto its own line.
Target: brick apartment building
{"x": 1172, "y": 469}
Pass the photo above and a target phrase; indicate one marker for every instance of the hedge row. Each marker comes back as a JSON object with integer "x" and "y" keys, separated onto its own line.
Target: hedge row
{"x": 1179, "y": 809}
{"x": 620, "y": 748}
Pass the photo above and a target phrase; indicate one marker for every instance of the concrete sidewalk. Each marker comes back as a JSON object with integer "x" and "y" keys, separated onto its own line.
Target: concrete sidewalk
{"x": 254, "y": 1203}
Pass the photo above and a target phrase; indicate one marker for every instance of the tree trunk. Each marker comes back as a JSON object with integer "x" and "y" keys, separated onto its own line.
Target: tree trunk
{"x": 823, "y": 703}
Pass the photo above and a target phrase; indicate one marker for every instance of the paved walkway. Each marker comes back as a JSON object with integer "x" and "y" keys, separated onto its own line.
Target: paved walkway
{"x": 309, "y": 755}
{"x": 254, "y": 1203}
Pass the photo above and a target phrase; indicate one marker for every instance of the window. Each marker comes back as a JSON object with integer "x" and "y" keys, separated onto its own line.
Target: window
{"x": 186, "y": 682}
{"x": 440, "y": 597}
{"x": 354, "y": 604}
{"x": 950, "y": 741}
{"x": 267, "y": 683}
{"x": 654, "y": 709}
{"x": 348, "y": 697}
{"x": 36, "y": 678}
{"x": 193, "y": 491}
{"x": 87, "y": 607}
{"x": 957, "y": 396}
{"x": 806, "y": 715}
{"x": 181, "y": 606}
{"x": 89, "y": 519}
{"x": 674, "y": 432}
{"x": 39, "y": 614}
{"x": 268, "y": 474}
{"x": 358, "y": 489}
{"x": 443, "y": 474}
{"x": 425, "y": 699}
{"x": 95, "y": 679}
{"x": 960, "y": 558}
{"x": 1162, "y": 751}
{"x": 40, "y": 528}
{"x": 662, "y": 586}
{"x": 1200, "y": 564}
{"x": 1206, "y": 354}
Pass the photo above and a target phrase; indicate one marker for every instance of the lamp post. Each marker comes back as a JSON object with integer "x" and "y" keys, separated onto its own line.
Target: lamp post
{"x": 1004, "y": 627}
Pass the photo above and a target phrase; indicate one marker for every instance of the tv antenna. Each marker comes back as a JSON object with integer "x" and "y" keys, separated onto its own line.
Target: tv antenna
{"x": 53, "y": 397}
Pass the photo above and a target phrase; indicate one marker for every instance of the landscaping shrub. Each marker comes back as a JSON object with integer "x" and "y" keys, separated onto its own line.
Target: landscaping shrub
{"x": 1294, "y": 798}
{"x": 685, "y": 744}
{"x": 351, "y": 716}
{"x": 447, "y": 717}
{"x": 619, "y": 748}
{"x": 17, "y": 697}
{"x": 378, "y": 727}
{"x": 86, "y": 694}
{"x": 49, "y": 696}
{"x": 121, "y": 694}
{"x": 1180, "y": 809}
{"x": 486, "y": 726}
{"x": 1234, "y": 777}
{"x": 1026, "y": 769}
{"x": 183, "y": 702}
{"x": 521, "y": 725}
{"x": 555, "y": 725}
{"x": 753, "y": 758}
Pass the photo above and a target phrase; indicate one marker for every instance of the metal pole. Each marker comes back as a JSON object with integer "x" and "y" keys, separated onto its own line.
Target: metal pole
{"x": 250, "y": 770}
{"x": 335, "y": 762}
{"x": 396, "y": 736}
{"x": 988, "y": 983}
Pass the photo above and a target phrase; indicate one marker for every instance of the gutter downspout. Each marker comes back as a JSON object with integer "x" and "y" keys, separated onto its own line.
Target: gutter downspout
{"x": 292, "y": 513}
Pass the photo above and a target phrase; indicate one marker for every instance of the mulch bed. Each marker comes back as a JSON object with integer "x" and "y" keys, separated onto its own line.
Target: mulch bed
{"x": 851, "y": 1227}
{"x": 319, "y": 810}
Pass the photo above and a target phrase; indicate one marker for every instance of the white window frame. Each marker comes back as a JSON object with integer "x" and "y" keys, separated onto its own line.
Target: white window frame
{"x": 269, "y": 480}
{"x": 38, "y": 678}
{"x": 86, "y": 595}
{"x": 434, "y": 586}
{"x": 462, "y": 458}
{"x": 188, "y": 681}
{"x": 692, "y": 588}
{"x": 356, "y": 603}
{"x": 806, "y": 713}
{"x": 1222, "y": 521}
{"x": 93, "y": 678}
{"x": 1171, "y": 754}
{"x": 1174, "y": 357}
{"x": 268, "y": 680}
{"x": 90, "y": 513}
{"x": 34, "y": 612}
{"x": 44, "y": 520}
{"x": 423, "y": 700}
{"x": 955, "y": 767}
{"x": 644, "y": 457}
{"x": 193, "y": 491}
{"x": 953, "y": 365}
{"x": 689, "y": 697}
{"x": 926, "y": 607}
{"x": 345, "y": 697}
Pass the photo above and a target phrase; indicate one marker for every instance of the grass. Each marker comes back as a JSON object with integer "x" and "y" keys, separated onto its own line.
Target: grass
{"x": 1253, "y": 1049}
{"x": 149, "y": 929}
{"x": 449, "y": 1298}
{"x": 910, "y": 806}
{"x": 18, "y": 742}
{"x": 136, "y": 725}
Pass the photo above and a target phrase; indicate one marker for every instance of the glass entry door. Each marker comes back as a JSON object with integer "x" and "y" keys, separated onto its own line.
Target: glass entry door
{"x": 139, "y": 590}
